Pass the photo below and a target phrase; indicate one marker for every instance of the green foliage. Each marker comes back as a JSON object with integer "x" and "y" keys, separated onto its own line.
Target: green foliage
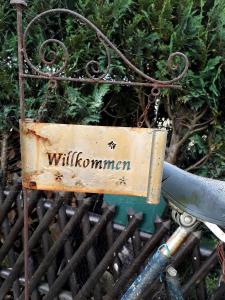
{"x": 147, "y": 32}
{"x": 212, "y": 282}
{"x": 85, "y": 109}
{"x": 78, "y": 108}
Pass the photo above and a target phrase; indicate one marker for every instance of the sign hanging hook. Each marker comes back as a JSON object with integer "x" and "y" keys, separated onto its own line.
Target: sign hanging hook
{"x": 155, "y": 92}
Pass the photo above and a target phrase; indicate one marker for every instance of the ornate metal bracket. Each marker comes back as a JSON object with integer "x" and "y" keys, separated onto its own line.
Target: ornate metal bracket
{"x": 91, "y": 67}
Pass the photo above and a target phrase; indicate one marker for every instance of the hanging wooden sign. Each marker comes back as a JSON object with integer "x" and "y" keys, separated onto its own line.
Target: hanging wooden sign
{"x": 94, "y": 159}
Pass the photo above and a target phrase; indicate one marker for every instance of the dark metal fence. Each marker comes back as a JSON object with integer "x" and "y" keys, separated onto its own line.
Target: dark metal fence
{"x": 78, "y": 254}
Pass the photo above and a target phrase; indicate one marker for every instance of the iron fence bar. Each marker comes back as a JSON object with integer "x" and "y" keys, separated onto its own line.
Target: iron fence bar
{"x": 16, "y": 229}
{"x": 36, "y": 236}
{"x": 57, "y": 246}
{"x": 11, "y": 257}
{"x": 81, "y": 252}
{"x": 43, "y": 288}
{"x": 136, "y": 241}
{"x": 198, "y": 276}
{"x": 186, "y": 248}
{"x": 91, "y": 256}
{"x": 108, "y": 258}
{"x": 19, "y": 205}
{"x": 35, "y": 295}
{"x": 94, "y": 219}
{"x": 129, "y": 274}
{"x": 110, "y": 236}
{"x": 51, "y": 272}
{"x": 10, "y": 198}
{"x": 68, "y": 250}
{"x": 201, "y": 293}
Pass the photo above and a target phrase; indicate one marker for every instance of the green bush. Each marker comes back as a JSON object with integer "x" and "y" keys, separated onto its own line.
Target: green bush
{"x": 147, "y": 32}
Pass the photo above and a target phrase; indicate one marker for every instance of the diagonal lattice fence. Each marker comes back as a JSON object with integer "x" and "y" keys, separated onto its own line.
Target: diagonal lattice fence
{"x": 78, "y": 254}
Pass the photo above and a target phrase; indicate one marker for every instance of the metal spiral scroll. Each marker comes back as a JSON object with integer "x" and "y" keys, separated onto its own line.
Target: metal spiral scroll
{"x": 93, "y": 66}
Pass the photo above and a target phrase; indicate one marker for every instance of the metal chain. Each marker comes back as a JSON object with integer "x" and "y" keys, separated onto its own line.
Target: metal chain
{"x": 142, "y": 118}
{"x": 221, "y": 257}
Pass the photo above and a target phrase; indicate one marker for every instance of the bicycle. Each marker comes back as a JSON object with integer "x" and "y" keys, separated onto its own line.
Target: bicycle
{"x": 194, "y": 199}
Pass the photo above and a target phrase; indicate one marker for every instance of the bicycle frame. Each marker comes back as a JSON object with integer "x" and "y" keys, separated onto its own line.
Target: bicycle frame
{"x": 160, "y": 260}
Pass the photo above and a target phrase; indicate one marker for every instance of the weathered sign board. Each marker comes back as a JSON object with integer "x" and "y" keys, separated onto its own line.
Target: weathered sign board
{"x": 94, "y": 159}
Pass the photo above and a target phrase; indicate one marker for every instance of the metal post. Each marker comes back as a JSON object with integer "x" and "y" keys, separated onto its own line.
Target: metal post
{"x": 20, "y": 5}
{"x": 156, "y": 264}
{"x": 25, "y": 244}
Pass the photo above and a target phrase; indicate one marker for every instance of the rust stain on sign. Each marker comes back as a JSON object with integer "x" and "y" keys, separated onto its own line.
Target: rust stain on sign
{"x": 94, "y": 159}
{"x": 32, "y": 132}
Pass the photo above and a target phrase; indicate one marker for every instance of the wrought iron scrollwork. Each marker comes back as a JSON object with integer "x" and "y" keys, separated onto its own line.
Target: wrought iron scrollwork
{"x": 94, "y": 65}
{"x": 92, "y": 68}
